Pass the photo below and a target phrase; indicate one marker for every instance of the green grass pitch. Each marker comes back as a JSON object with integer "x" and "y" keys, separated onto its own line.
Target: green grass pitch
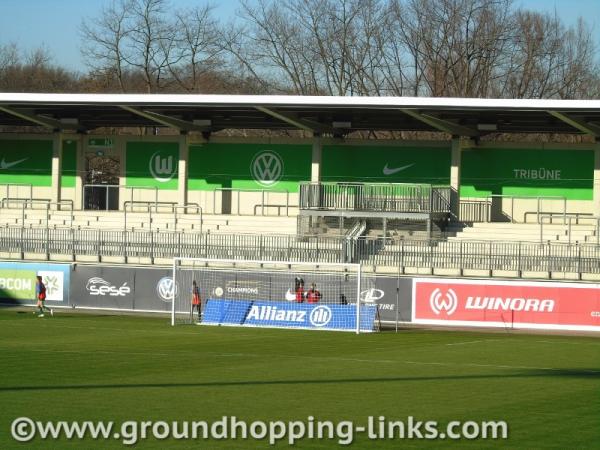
{"x": 90, "y": 367}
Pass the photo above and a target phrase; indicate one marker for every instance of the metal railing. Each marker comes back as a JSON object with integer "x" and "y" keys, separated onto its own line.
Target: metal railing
{"x": 40, "y": 204}
{"x": 7, "y": 187}
{"x": 350, "y": 240}
{"x": 131, "y": 192}
{"x": 474, "y": 210}
{"x": 233, "y": 204}
{"x": 539, "y": 204}
{"x": 166, "y": 245}
{"x": 375, "y": 197}
{"x": 178, "y": 212}
{"x": 575, "y": 218}
{"x": 492, "y": 256}
{"x": 134, "y": 189}
{"x": 546, "y": 257}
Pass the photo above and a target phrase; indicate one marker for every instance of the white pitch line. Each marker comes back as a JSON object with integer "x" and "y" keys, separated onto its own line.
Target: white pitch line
{"x": 326, "y": 358}
{"x": 569, "y": 343}
{"x": 475, "y": 342}
{"x": 129, "y": 330}
{"x": 499, "y": 366}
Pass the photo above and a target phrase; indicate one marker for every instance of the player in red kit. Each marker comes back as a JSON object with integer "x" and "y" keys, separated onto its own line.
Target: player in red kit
{"x": 299, "y": 289}
{"x": 313, "y": 295}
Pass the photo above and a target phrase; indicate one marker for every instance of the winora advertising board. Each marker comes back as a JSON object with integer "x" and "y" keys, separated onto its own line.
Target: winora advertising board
{"x": 17, "y": 282}
{"x": 510, "y": 304}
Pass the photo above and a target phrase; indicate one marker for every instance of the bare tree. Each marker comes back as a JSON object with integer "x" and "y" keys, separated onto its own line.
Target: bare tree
{"x": 105, "y": 39}
{"x": 271, "y": 47}
{"x": 464, "y": 48}
{"x": 9, "y": 55}
{"x": 198, "y": 49}
{"x": 454, "y": 47}
{"x": 550, "y": 61}
{"x": 151, "y": 40}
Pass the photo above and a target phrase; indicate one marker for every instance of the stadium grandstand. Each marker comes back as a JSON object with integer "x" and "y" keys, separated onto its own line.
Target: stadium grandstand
{"x": 469, "y": 202}
{"x": 507, "y": 188}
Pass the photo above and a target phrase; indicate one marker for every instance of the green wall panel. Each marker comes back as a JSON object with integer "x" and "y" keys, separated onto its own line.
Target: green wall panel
{"x": 69, "y": 163}
{"x": 248, "y": 166}
{"x": 527, "y": 172}
{"x": 386, "y": 164}
{"x": 26, "y": 162}
{"x": 152, "y": 164}
{"x": 282, "y": 166}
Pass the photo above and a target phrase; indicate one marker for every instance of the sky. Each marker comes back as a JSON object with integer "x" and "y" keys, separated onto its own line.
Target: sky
{"x": 54, "y": 24}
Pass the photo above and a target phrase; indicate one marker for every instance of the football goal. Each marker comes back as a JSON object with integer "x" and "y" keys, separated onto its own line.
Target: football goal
{"x": 282, "y": 294}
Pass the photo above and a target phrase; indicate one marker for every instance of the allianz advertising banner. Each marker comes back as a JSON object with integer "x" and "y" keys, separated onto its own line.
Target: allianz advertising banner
{"x": 288, "y": 315}
{"x": 519, "y": 304}
{"x": 17, "y": 282}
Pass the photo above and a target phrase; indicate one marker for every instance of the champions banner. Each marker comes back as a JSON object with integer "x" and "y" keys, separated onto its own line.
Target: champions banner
{"x": 288, "y": 315}
{"x": 519, "y": 304}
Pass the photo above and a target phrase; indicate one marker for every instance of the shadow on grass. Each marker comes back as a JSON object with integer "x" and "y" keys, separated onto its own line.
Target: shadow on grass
{"x": 575, "y": 373}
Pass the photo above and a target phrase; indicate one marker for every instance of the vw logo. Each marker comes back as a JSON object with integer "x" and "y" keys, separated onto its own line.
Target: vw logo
{"x": 320, "y": 316}
{"x": 267, "y": 168}
{"x": 166, "y": 289}
{"x": 447, "y": 302}
{"x": 162, "y": 168}
{"x": 371, "y": 295}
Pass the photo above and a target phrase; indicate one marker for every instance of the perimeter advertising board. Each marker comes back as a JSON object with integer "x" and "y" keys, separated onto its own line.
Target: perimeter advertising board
{"x": 145, "y": 289}
{"x": 518, "y": 304}
{"x": 17, "y": 282}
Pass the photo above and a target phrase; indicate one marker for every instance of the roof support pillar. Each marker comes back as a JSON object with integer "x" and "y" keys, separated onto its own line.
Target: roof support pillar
{"x": 455, "y": 163}
{"x": 56, "y": 166}
{"x": 82, "y": 148}
{"x": 120, "y": 149}
{"x": 316, "y": 161}
{"x": 182, "y": 180}
{"x": 596, "y": 193}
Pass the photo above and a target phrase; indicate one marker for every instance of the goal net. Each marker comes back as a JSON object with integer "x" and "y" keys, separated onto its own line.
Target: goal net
{"x": 271, "y": 294}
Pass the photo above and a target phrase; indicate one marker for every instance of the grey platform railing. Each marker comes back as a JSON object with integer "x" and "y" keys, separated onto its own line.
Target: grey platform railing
{"x": 380, "y": 197}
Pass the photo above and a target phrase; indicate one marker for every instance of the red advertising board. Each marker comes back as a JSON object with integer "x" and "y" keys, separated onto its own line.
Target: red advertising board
{"x": 519, "y": 304}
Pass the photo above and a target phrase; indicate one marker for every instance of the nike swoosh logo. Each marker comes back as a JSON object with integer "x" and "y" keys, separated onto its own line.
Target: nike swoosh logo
{"x": 5, "y": 165}
{"x": 388, "y": 171}
{"x": 290, "y": 296}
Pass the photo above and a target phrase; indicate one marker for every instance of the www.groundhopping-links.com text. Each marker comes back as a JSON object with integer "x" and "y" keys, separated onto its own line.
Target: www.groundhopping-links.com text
{"x": 25, "y": 429}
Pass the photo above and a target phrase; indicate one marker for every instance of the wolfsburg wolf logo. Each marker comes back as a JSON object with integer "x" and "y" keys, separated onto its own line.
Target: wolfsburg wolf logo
{"x": 162, "y": 169}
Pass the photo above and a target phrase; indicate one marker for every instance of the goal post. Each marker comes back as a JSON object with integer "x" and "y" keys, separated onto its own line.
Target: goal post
{"x": 281, "y": 294}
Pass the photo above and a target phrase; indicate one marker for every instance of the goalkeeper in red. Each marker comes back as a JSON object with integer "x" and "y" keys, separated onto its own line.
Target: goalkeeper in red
{"x": 196, "y": 300}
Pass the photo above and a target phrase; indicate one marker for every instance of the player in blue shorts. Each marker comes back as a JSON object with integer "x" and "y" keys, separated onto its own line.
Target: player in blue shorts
{"x": 40, "y": 295}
